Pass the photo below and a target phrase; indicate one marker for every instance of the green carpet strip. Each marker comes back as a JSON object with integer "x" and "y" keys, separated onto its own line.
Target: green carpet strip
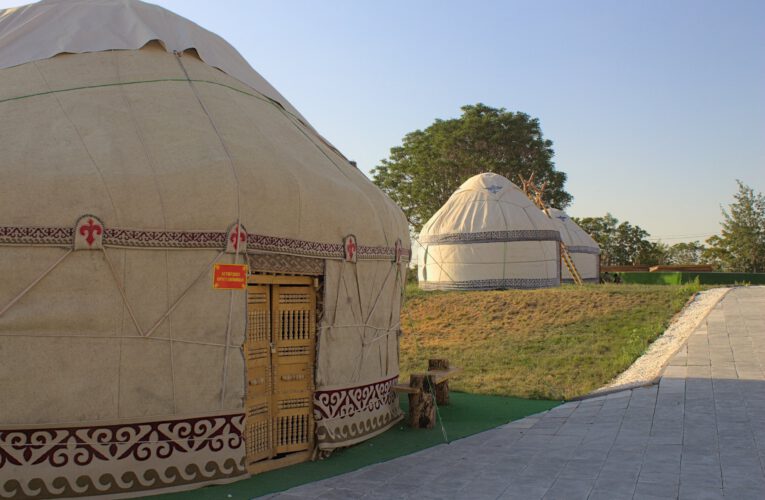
{"x": 465, "y": 415}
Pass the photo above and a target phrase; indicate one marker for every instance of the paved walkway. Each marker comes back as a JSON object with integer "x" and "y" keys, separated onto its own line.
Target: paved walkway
{"x": 699, "y": 434}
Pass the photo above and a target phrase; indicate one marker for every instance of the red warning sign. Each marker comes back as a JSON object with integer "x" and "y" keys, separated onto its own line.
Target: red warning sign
{"x": 230, "y": 276}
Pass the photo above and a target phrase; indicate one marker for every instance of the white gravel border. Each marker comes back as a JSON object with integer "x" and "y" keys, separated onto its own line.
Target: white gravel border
{"x": 648, "y": 367}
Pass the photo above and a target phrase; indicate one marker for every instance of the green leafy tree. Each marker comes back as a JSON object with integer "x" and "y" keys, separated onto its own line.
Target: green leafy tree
{"x": 422, "y": 173}
{"x": 659, "y": 253}
{"x": 685, "y": 253}
{"x": 621, "y": 244}
{"x": 740, "y": 247}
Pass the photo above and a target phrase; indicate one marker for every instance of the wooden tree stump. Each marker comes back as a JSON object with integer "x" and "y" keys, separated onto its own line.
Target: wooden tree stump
{"x": 422, "y": 408}
{"x": 442, "y": 389}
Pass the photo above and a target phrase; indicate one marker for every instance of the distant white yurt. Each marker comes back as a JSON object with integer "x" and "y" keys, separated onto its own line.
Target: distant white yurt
{"x": 489, "y": 235}
{"x": 584, "y": 250}
{"x": 143, "y": 164}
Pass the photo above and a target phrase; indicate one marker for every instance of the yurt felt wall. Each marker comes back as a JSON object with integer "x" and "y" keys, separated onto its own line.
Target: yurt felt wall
{"x": 125, "y": 175}
{"x": 584, "y": 250}
{"x": 488, "y": 235}
{"x": 358, "y": 353}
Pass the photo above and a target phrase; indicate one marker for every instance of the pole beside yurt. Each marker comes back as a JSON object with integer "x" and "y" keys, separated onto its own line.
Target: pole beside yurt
{"x": 488, "y": 235}
{"x": 196, "y": 286}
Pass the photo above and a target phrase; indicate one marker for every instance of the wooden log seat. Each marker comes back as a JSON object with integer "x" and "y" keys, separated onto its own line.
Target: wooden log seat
{"x": 422, "y": 386}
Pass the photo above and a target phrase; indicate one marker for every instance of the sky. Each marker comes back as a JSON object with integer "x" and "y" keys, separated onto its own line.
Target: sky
{"x": 654, "y": 107}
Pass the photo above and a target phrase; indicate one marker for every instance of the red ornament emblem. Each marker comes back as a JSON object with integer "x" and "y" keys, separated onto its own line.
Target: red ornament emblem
{"x": 237, "y": 235}
{"x": 89, "y": 229}
{"x": 350, "y": 248}
{"x": 88, "y": 233}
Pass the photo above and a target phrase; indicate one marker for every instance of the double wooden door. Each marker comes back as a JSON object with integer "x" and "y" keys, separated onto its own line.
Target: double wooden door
{"x": 280, "y": 352}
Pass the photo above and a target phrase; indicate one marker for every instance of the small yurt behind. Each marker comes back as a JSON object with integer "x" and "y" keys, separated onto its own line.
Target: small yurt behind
{"x": 584, "y": 250}
{"x": 194, "y": 285}
{"x": 488, "y": 235}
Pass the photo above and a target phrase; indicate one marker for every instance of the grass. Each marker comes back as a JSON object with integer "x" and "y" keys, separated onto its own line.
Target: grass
{"x": 550, "y": 344}
{"x": 465, "y": 415}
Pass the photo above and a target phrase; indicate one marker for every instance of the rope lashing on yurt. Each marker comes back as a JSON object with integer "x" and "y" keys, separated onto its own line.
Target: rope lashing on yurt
{"x": 182, "y": 295}
{"x": 82, "y": 141}
{"x": 215, "y": 129}
{"x": 178, "y": 57}
{"x": 228, "y": 333}
{"x": 34, "y": 282}
{"x": 401, "y": 304}
{"x": 139, "y": 82}
{"x": 364, "y": 343}
{"x": 170, "y": 309}
{"x": 122, "y": 293}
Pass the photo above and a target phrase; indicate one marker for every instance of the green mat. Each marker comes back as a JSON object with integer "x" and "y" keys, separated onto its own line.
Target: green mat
{"x": 465, "y": 415}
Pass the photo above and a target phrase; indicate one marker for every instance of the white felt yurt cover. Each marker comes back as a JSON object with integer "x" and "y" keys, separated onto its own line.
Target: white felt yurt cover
{"x": 125, "y": 175}
{"x": 584, "y": 250}
{"x": 488, "y": 235}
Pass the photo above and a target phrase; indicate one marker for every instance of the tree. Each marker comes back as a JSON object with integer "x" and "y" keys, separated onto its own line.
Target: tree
{"x": 621, "y": 244}
{"x": 422, "y": 173}
{"x": 740, "y": 247}
{"x": 685, "y": 253}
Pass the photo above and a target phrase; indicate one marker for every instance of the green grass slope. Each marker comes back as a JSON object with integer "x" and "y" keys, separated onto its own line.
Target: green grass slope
{"x": 551, "y": 344}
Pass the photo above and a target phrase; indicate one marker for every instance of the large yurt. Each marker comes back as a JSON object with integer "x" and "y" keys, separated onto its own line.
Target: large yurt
{"x": 584, "y": 251}
{"x": 488, "y": 236}
{"x": 194, "y": 285}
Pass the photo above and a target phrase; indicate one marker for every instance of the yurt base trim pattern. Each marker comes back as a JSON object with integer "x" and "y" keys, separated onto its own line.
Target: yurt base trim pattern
{"x": 122, "y": 458}
{"x": 138, "y": 238}
{"x": 491, "y": 284}
{"x": 493, "y": 237}
{"x": 350, "y": 415}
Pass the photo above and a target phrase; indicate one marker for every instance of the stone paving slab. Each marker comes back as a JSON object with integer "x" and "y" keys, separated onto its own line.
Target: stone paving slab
{"x": 699, "y": 433}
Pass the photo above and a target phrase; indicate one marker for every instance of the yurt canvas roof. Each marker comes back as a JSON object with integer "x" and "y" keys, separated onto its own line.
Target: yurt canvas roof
{"x": 489, "y": 235}
{"x": 485, "y": 203}
{"x": 137, "y": 176}
{"x": 50, "y": 27}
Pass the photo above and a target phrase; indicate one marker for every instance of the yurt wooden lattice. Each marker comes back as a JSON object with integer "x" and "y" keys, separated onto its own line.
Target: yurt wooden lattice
{"x": 139, "y": 154}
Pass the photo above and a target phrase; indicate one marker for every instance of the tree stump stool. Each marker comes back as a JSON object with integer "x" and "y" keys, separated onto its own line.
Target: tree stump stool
{"x": 442, "y": 388}
{"x": 422, "y": 408}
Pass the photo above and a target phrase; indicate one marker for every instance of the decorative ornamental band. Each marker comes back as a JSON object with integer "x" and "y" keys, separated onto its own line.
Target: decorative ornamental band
{"x": 493, "y": 237}
{"x": 121, "y": 459}
{"x": 583, "y": 249}
{"x": 347, "y": 402}
{"x": 82, "y": 446}
{"x": 90, "y": 233}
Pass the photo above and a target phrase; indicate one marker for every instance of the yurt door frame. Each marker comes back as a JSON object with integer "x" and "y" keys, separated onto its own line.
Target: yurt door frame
{"x": 280, "y": 352}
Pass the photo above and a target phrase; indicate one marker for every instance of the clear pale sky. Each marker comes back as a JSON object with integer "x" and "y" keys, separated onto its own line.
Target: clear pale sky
{"x": 654, "y": 107}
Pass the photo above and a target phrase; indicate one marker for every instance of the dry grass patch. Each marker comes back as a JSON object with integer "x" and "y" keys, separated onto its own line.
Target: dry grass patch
{"x": 551, "y": 344}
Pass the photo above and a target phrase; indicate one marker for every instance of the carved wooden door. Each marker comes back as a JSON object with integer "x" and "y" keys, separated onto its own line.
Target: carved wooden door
{"x": 280, "y": 347}
{"x": 258, "y": 428}
{"x": 294, "y": 332}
